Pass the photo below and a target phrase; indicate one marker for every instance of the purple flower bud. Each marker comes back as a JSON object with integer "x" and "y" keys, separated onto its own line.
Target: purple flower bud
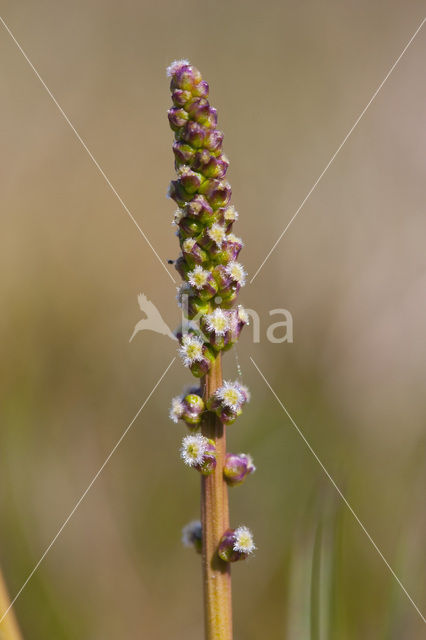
{"x": 237, "y": 467}
{"x": 227, "y": 216}
{"x": 228, "y": 251}
{"x": 228, "y": 289}
{"x": 183, "y": 76}
{"x": 217, "y": 192}
{"x": 189, "y": 179}
{"x": 209, "y": 165}
{"x": 222, "y": 277}
{"x": 200, "y": 111}
{"x": 190, "y": 227}
{"x": 177, "y": 117}
{"x": 236, "y": 544}
{"x": 200, "y": 209}
{"x": 238, "y": 319}
{"x": 213, "y": 140}
{"x": 184, "y": 153}
{"x": 181, "y": 97}
{"x": 177, "y": 193}
{"x": 193, "y": 253}
{"x": 201, "y": 90}
{"x": 202, "y": 281}
{"x": 194, "y": 134}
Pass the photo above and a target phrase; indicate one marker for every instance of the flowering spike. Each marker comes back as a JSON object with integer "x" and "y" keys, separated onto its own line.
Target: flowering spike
{"x": 212, "y": 279}
{"x": 236, "y": 544}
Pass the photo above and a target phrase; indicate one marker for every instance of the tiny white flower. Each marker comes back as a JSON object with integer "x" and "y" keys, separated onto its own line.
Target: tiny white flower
{"x": 217, "y": 233}
{"x": 236, "y": 271}
{"x": 230, "y": 395}
{"x": 177, "y": 217}
{"x": 177, "y": 409}
{"x": 218, "y": 322}
{"x": 188, "y": 244}
{"x": 191, "y": 532}
{"x": 191, "y": 349}
{"x": 175, "y": 66}
{"x": 231, "y": 214}
{"x": 243, "y": 540}
{"x": 242, "y": 314}
{"x": 233, "y": 238}
{"x": 198, "y": 277}
{"x": 193, "y": 449}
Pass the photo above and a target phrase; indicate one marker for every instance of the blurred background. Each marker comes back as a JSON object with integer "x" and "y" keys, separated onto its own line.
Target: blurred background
{"x": 288, "y": 80}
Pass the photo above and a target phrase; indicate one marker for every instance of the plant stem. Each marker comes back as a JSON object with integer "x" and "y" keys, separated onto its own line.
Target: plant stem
{"x": 9, "y": 629}
{"x": 215, "y": 521}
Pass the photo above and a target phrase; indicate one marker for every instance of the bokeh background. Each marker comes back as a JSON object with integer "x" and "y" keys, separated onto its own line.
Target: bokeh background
{"x": 288, "y": 79}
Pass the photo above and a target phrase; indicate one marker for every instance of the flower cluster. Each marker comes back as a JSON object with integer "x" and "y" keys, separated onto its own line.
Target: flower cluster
{"x": 236, "y": 544}
{"x": 199, "y": 452}
{"x": 212, "y": 278}
{"x": 227, "y": 402}
{"x": 208, "y": 263}
{"x": 237, "y": 467}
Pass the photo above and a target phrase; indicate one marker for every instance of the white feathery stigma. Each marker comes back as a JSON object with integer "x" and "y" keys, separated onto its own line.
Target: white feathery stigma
{"x": 230, "y": 395}
{"x": 231, "y": 214}
{"x": 188, "y": 244}
{"x": 175, "y": 66}
{"x": 191, "y": 349}
{"x": 177, "y": 409}
{"x": 217, "y": 233}
{"x": 198, "y": 277}
{"x": 250, "y": 462}
{"x": 193, "y": 449}
{"x": 242, "y": 315}
{"x": 234, "y": 239}
{"x": 177, "y": 217}
{"x": 236, "y": 271}
{"x": 218, "y": 321}
{"x": 243, "y": 540}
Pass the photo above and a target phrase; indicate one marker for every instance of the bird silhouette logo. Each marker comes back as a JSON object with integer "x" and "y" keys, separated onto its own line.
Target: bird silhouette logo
{"x": 153, "y": 320}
